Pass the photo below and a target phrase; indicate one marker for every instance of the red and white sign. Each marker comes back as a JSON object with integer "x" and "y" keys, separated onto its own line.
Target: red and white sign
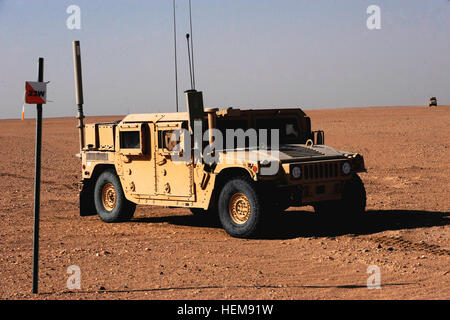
{"x": 35, "y": 92}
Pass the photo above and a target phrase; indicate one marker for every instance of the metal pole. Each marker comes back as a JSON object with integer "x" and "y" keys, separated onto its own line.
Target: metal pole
{"x": 37, "y": 184}
{"x": 79, "y": 90}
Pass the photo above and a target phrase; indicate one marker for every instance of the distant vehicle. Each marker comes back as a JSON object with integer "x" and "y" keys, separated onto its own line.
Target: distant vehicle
{"x": 433, "y": 102}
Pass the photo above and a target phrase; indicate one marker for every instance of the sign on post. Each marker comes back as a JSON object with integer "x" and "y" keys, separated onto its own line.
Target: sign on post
{"x": 35, "y": 92}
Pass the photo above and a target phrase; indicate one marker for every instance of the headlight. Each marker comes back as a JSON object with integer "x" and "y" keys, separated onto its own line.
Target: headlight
{"x": 296, "y": 172}
{"x": 346, "y": 168}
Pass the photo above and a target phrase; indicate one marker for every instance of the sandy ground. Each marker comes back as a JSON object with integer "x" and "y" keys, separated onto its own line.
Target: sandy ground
{"x": 169, "y": 254}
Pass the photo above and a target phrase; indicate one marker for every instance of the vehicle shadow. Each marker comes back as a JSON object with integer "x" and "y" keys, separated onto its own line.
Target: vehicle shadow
{"x": 293, "y": 224}
{"x": 300, "y": 223}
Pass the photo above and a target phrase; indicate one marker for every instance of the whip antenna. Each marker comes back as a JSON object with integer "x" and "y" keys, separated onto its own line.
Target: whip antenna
{"x": 175, "y": 49}
{"x": 192, "y": 45}
{"x": 190, "y": 64}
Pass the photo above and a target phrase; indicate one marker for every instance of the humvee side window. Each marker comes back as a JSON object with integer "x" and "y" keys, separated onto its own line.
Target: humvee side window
{"x": 167, "y": 139}
{"x": 130, "y": 140}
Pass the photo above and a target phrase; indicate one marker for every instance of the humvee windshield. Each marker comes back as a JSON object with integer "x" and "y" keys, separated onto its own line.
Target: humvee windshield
{"x": 289, "y": 132}
{"x": 288, "y": 129}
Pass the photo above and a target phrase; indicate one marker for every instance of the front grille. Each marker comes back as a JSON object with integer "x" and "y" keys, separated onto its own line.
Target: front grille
{"x": 324, "y": 170}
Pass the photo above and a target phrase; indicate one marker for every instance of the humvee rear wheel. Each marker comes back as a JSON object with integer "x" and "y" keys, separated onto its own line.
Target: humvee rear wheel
{"x": 109, "y": 199}
{"x": 240, "y": 209}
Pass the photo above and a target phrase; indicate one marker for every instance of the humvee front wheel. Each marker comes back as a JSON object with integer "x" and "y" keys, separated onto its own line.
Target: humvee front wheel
{"x": 240, "y": 209}
{"x": 109, "y": 199}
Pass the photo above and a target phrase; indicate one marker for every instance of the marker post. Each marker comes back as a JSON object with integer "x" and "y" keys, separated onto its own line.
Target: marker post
{"x": 37, "y": 184}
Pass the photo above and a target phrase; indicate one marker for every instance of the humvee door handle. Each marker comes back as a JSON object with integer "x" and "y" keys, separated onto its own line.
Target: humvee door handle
{"x": 162, "y": 161}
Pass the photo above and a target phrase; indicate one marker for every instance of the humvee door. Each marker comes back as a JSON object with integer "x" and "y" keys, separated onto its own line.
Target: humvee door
{"x": 135, "y": 164}
{"x": 173, "y": 164}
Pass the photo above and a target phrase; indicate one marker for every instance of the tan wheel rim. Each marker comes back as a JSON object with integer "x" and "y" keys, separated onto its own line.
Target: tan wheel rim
{"x": 109, "y": 197}
{"x": 239, "y": 208}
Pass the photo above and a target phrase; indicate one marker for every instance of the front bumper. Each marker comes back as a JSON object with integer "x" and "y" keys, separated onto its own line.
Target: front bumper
{"x": 309, "y": 193}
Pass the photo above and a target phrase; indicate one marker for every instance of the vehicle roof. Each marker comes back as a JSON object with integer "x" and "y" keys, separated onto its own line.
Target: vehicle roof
{"x": 156, "y": 117}
{"x": 230, "y": 112}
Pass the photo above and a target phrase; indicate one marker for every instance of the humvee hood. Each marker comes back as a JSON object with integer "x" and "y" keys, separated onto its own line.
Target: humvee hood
{"x": 286, "y": 153}
{"x": 300, "y": 152}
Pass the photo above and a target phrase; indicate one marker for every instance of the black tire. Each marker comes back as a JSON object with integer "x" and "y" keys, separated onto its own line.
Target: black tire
{"x": 240, "y": 190}
{"x": 120, "y": 208}
{"x": 351, "y": 206}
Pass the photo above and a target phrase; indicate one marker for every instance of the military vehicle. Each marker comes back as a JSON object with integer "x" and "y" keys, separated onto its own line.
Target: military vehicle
{"x": 141, "y": 159}
{"x": 433, "y": 102}
{"x": 131, "y": 162}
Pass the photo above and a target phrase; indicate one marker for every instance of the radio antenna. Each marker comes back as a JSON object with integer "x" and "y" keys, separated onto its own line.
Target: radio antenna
{"x": 175, "y": 49}
{"x": 190, "y": 64}
{"x": 192, "y": 45}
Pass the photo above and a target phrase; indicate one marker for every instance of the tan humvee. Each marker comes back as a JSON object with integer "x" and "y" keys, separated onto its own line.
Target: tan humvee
{"x": 432, "y": 102}
{"x": 134, "y": 161}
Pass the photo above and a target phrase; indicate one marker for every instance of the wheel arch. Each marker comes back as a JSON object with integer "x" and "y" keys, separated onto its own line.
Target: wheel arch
{"x": 99, "y": 168}
{"x": 229, "y": 173}
{"x": 222, "y": 177}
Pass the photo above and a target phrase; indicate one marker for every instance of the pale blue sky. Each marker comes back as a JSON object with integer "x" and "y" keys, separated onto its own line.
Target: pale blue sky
{"x": 248, "y": 53}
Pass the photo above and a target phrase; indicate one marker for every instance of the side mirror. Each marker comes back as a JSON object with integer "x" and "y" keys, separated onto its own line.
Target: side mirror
{"x": 319, "y": 137}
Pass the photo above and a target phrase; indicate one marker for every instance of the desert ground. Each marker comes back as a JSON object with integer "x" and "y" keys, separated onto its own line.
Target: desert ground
{"x": 165, "y": 253}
